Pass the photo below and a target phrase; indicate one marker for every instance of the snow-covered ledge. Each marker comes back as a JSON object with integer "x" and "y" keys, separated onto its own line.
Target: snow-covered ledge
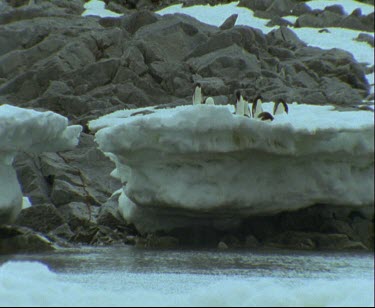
{"x": 33, "y": 132}
{"x": 203, "y": 164}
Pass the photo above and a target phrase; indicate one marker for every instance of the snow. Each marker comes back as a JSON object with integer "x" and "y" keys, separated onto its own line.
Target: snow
{"x": 43, "y": 286}
{"x": 97, "y": 8}
{"x": 202, "y": 158}
{"x": 28, "y": 131}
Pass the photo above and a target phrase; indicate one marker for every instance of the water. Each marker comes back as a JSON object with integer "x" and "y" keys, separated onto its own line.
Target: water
{"x": 128, "y": 276}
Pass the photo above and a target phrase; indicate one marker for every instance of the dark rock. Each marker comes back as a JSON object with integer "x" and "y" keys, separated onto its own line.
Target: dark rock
{"x": 335, "y": 8}
{"x": 42, "y": 218}
{"x": 15, "y": 239}
{"x": 284, "y": 34}
{"x": 251, "y": 242}
{"x": 138, "y": 19}
{"x": 229, "y": 22}
{"x": 300, "y": 9}
{"x": 222, "y": 246}
{"x": 79, "y": 214}
{"x": 226, "y": 64}
{"x": 257, "y": 5}
{"x": 109, "y": 215}
{"x": 364, "y": 37}
{"x": 154, "y": 241}
{"x": 62, "y": 231}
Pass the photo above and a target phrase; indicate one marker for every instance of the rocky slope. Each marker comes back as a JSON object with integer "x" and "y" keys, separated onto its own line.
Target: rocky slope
{"x": 52, "y": 58}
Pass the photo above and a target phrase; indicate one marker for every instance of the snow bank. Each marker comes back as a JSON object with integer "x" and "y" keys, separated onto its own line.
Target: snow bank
{"x": 205, "y": 162}
{"x": 42, "y": 287}
{"x": 33, "y": 132}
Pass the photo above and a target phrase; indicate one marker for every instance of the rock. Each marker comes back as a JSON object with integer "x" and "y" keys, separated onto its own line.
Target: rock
{"x": 154, "y": 241}
{"x": 222, "y": 246}
{"x": 292, "y": 240}
{"x": 109, "y": 215}
{"x": 138, "y": 19}
{"x": 364, "y": 37}
{"x": 226, "y": 63}
{"x": 251, "y": 242}
{"x": 78, "y": 214}
{"x": 62, "y": 231}
{"x": 229, "y": 22}
{"x": 14, "y": 239}
{"x": 42, "y": 218}
{"x": 335, "y": 8}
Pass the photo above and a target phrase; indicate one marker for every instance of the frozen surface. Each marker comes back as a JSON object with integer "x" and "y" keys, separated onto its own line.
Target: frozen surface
{"x": 141, "y": 278}
{"x": 29, "y": 131}
{"x": 206, "y": 161}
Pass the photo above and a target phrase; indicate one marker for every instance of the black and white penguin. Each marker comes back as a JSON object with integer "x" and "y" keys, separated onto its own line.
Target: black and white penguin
{"x": 246, "y": 106}
{"x": 239, "y": 103}
{"x": 265, "y": 116}
{"x": 197, "y": 95}
{"x": 280, "y": 107}
{"x": 209, "y": 101}
{"x": 257, "y": 107}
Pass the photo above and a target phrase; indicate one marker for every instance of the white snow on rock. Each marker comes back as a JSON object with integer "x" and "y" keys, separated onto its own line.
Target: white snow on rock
{"x": 206, "y": 163}
{"x": 33, "y": 132}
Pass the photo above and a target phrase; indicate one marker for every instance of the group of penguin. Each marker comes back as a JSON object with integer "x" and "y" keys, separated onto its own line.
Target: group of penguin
{"x": 242, "y": 106}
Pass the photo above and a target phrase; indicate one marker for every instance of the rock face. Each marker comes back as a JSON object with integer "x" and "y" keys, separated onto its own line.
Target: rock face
{"x": 52, "y": 58}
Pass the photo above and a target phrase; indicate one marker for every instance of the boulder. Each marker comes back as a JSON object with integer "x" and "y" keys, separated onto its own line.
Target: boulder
{"x": 42, "y": 218}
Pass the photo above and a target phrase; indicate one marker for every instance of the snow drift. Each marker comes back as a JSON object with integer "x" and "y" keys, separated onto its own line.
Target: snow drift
{"x": 203, "y": 164}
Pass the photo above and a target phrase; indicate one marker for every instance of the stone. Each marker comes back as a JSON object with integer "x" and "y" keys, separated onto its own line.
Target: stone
{"x": 251, "y": 241}
{"x": 229, "y": 22}
{"x": 222, "y": 246}
{"x": 78, "y": 214}
{"x": 15, "y": 239}
{"x": 42, "y": 218}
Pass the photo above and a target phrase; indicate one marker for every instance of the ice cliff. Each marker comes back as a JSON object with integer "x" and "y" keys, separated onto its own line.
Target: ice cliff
{"x": 26, "y": 130}
{"x": 205, "y": 165}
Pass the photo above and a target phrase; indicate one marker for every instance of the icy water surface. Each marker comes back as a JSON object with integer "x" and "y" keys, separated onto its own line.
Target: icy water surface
{"x": 130, "y": 276}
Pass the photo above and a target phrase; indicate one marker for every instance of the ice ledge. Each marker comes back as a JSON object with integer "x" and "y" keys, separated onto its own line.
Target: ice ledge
{"x": 204, "y": 162}
{"x": 33, "y": 132}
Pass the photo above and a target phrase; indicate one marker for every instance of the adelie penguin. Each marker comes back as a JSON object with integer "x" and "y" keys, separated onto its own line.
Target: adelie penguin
{"x": 257, "y": 107}
{"x": 209, "y": 101}
{"x": 240, "y": 104}
{"x": 197, "y": 95}
{"x": 265, "y": 116}
{"x": 246, "y": 106}
{"x": 280, "y": 107}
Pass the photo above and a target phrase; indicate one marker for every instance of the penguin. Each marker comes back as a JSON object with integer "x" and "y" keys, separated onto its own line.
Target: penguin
{"x": 197, "y": 95}
{"x": 265, "y": 116}
{"x": 257, "y": 106}
{"x": 247, "y": 111}
{"x": 239, "y": 103}
{"x": 280, "y": 107}
{"x": 209, "y": 101}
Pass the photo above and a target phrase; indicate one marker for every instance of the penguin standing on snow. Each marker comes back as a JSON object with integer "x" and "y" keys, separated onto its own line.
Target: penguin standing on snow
{"x": 209, "y": 101}
{"x": 246, "y": 106}
{"x": 257, "y": 107}
{"x": 265, "y": 116}
{"x": 197, "y": 95}
{"x": 240, "y": 103}
{"x": 280, "y": 107}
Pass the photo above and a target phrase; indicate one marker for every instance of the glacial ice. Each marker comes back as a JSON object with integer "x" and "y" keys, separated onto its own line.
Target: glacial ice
{"x": 205, "y": 165}
{"x": 33, "y": 132}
